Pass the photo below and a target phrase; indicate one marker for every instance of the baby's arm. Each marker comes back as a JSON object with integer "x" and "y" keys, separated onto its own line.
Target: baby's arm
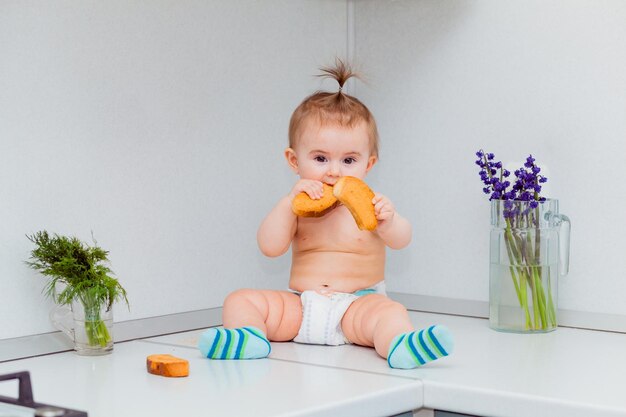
{"x": 278, "y": 228}
{"x": 393, "y": 229}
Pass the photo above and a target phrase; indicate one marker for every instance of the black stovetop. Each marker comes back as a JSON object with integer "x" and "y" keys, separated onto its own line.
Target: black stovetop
{"x": 25, "y": 405}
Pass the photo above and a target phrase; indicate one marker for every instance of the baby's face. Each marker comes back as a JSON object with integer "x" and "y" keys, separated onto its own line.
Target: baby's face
{"x": 329, "y": 152}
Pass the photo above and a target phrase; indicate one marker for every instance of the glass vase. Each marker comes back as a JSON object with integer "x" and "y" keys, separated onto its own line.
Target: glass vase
{"x": 88, "y": 323}
{"x": 529, "y": 251}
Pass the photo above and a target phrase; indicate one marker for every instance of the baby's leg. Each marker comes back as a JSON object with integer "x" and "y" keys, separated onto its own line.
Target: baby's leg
{"x": 375, "y": 320}
{"x": 277, "y": 314}
{"x": 250, "y": 317}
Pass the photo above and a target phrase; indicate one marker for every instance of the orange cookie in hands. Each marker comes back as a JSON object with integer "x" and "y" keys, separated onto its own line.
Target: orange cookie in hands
{"x": 304, "y": 206}
{"x": 167, "y": 365}
{"x": 357, "y": 197}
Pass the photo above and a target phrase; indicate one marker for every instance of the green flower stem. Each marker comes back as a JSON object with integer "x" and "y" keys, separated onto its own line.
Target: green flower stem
{"x": 538, "y": 306}
{"x": 95, "y": 327}
{"x": 512, "y": 271}
{"x": 520, "y": 283}
{"x": 524, "y": 291}
{"x": 97, "y": 333}
{"x": 536, "y": 260}
{"x": 535, "y": 298}
{"x": 512, "y": 253}
{"x": 527, "y": 274}
{"x": 549, "y": 304}
{"x": 540, "y": 300}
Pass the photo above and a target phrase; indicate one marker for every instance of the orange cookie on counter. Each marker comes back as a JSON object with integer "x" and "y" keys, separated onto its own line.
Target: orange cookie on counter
{"x": 357, "y": 197}
{"x": 167, "y": 365}
{"x": 304, "y": 206}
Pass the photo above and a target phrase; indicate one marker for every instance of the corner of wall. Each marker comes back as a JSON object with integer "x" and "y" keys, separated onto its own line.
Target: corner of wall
{"x": 351, "y": 41}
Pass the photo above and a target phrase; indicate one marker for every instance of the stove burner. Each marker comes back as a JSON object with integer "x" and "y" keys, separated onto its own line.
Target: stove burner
{"x": 25, "y": 405}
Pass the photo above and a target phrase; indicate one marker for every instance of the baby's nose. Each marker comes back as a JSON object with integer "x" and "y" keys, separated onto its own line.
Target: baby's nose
{"x": 334, "y": 169}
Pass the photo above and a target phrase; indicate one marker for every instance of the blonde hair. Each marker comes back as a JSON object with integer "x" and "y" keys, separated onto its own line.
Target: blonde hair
{"x": 334, "y": 108}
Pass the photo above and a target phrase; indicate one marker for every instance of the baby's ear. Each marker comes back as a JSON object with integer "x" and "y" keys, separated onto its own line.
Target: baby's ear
{"x": 371, "y": 161}
{"x": 292, "y": 159}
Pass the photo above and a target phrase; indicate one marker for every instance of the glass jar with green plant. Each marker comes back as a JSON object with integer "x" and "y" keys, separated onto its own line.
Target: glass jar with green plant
{"x": 79, "y": 277}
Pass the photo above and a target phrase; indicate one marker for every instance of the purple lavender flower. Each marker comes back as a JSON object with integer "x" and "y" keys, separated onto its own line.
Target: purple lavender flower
{"x": 525, "y": 188}
{"x": 528, "y": 180}
{"x": 496, "y": 186}
{"x": 530, "y": 162}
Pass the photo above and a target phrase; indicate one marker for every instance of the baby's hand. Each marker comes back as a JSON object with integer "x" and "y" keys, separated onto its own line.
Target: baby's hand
{"x": 313, "y": 188}
{"x": 383, "y": 209}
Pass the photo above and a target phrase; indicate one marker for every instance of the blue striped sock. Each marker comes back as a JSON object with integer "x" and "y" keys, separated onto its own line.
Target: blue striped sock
{"x": 413, "y": 349}
{"x": 240, "y": 343}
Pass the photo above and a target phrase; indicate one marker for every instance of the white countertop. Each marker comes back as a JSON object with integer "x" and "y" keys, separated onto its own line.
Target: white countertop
{"x": 118, "y": 385}
{"x": 569, "y": 372}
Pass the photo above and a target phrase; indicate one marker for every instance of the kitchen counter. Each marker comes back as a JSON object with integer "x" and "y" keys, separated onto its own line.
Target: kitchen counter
{"x": 569, "y": 372}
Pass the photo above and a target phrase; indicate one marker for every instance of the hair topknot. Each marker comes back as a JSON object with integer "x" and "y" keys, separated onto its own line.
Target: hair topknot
{"x": 341, "y": 73}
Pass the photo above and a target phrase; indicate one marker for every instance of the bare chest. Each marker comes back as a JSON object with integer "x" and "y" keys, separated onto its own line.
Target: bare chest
{"x": 336, "y": 231}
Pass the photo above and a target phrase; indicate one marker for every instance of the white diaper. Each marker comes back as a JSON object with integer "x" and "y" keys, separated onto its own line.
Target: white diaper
{"x": 322, "y": 314}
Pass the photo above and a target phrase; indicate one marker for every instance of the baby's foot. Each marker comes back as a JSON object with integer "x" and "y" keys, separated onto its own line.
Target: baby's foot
{"x": 241, "y": 343}
{"x": 413, "y": 349}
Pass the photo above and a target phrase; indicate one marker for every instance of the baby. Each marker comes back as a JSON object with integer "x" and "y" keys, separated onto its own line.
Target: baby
{"x": 337, "y": 274}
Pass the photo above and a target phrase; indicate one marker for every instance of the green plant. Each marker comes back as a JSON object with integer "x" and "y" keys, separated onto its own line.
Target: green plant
{"x": 86, "y": 278}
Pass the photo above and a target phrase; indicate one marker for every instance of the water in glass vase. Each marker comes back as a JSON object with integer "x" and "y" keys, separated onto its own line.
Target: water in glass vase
{"x": 93, "y": 337}
{"x": 523, "y": 298}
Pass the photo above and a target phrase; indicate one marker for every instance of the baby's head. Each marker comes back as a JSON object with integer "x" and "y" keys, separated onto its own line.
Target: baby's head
{"x": 339, "y": 109}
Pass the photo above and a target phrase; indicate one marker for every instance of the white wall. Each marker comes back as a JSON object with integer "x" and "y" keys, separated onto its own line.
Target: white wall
{"x": 512, "y": 77}
{"x": 159, "y": 126}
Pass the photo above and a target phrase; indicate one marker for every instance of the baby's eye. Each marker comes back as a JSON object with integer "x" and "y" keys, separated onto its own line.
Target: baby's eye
{"x": 320, "y": 158}
{"x": 349, "y": 161}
